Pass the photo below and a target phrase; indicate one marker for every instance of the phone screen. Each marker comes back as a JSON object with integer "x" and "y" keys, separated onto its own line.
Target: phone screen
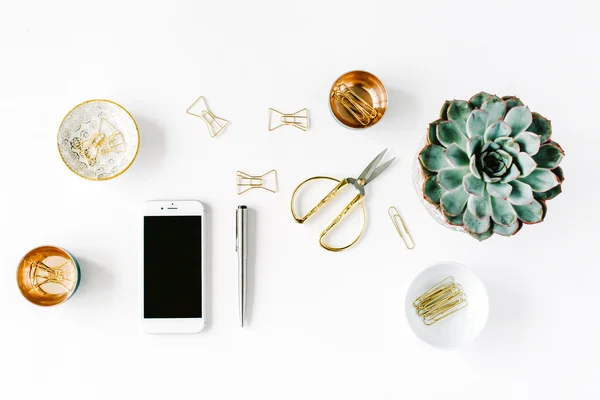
{"x": 173, "y": 266}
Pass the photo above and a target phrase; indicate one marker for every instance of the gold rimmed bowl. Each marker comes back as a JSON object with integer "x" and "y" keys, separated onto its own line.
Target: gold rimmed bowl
{"x": 98, "y": 140}
{"x": 48, "y": 276}
{"x": 358, "y": 100}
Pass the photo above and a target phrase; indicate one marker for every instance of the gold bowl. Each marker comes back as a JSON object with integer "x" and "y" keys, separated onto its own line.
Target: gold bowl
{"x": 98, "y": 140}
{"x": 358, "y": 99}
{"x": 48, "y": 276}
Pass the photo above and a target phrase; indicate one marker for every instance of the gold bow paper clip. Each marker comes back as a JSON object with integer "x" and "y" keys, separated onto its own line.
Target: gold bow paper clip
{"x": 214, "y": 123}
{"x": 245, "y": 182}
{"x": 41, "y": 275}
{"x": 299, "y": 119}
{"x": 101, "y": 144}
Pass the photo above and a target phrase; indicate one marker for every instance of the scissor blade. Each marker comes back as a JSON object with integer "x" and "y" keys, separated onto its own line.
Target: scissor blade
{"x": 379, "y": 170}
{"x": 366, "y": 174}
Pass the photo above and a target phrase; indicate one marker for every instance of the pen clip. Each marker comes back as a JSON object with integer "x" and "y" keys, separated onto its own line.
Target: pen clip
{"x": 237, "y": 240}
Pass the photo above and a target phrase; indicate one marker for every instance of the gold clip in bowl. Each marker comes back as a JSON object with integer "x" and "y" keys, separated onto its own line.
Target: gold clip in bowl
{"x": 48, "y": 276}
{"x": 358, "y": 99}
{"x": 100, "y": 144}
{"x": 440, "y": 301}
{"x": 98, "y": 140}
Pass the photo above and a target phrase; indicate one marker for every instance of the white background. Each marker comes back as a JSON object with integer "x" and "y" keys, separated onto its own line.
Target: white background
{"x": 322, "y": 325}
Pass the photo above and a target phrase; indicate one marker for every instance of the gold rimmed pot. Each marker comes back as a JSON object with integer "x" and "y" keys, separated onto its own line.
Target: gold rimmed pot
{"x": 358, "y": 100}
{"x": 48, "y": 276}
{"x": 98, "y": 140}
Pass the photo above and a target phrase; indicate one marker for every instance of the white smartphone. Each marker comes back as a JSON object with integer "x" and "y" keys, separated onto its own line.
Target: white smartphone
{"x": 173, "y": 267}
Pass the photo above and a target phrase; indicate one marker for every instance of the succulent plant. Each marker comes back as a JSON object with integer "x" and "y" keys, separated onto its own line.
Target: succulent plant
{"x": 490, "y": 165}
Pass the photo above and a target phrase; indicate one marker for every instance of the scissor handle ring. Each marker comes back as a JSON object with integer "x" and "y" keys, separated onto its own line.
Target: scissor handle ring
{"x": 301, "y": 220}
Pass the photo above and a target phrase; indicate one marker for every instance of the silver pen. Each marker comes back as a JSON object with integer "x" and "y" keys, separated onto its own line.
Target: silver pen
{"x": 241, "y": 247}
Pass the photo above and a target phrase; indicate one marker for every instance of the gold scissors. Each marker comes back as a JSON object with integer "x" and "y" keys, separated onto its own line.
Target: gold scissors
{"x": 372, "y": 171}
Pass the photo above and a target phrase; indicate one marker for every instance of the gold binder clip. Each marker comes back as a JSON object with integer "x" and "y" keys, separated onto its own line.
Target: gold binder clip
{"x": 401, "y": 228}
{"x": 245, "y": 182}
{"x": 362, "y": 111}
{"x": 101, "y": 144}
{"x": 299, "y": 119}
{"x": 214, "y": 123}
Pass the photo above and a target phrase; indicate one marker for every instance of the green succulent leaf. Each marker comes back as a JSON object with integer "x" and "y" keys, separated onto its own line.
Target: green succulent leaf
{"x": 529, "y": 142}
{"x": 477, "y": 100}
{"x": 496, "y": 130}
{"x": 509, "y": 145}
{"x": 458, "y": 112}
{"x": 480, "y": 206}
{"x": 493, "y": 163}
{"x": 448, "y": 133}
{"x": 549, "y": 194}
{"x": 454, "y": 202}
{"x": 488, "y": 146}
{"x": 473, "y": 167}
{"x": 473, "y": 145}
{"x": 505, "y": 157}
{"x": 432, "y": 157}
{"x": 474, "y": 224}
{"x": 482, "y": 236}
{"x": 525, "y": 163}
{"x": 477, "y": 123}
{"x": 432, "y": 132}
{"x": 501, "y": 190}
{"x": 519, "y": 119}
{"x": 451, "y": 178}
{"x": 558, "y": 171}
{"x": 530, "y": 213}
{"x": 521, "y": 193}
{"x": 473, "y": 185}
{"x": 432, "y": 191}
{"x": 503, "y": 212}
{"x": 507, "y": 230}
{"x": 512, "y": 101}
{"x": 541, "y": 180}
{"x": 491, "y": 179}
{"x": 444, "y": 110}
{"x": 496, "y": 108}
{"x": 457, "y": 156}
{"x": 541, "y": 126}
{"x": 549, "y": 155}
{"x": 512, "y": 174}
{"x": 456, "y": 220}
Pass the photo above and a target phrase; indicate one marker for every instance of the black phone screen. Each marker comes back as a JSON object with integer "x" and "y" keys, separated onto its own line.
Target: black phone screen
{"x": 173, "y": 266}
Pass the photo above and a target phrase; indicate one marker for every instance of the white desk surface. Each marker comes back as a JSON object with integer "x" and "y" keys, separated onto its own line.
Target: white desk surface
{"x": 322, "y": 325}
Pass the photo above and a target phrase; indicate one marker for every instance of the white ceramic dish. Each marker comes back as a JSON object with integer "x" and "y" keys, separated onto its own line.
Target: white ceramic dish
{"x": 98, "y": 140}
{"x": 459, "y": 328}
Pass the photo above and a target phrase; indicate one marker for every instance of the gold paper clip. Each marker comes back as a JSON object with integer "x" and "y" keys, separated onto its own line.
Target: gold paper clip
{"x": 299, "y": 119}
{"x": 245, "y": 182}
{"x": 214, "y": 123}
{"x": 41, "y": 275}
{"x": 401, "y": 228}
{"x": 362, "y": 111}
{"x": 440, "y": 301}
{"x": 100, "y": 144}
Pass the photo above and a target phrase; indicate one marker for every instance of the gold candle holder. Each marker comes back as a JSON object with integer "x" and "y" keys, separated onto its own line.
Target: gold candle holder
{"x": 358, "y": 100}
{"x": 48, "y": 276}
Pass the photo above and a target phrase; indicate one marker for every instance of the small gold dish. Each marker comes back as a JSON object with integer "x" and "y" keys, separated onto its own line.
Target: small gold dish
{"x": 48, "y": 276}
{"x": 358, "y": 99}
{"x": 98, "y": 140}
